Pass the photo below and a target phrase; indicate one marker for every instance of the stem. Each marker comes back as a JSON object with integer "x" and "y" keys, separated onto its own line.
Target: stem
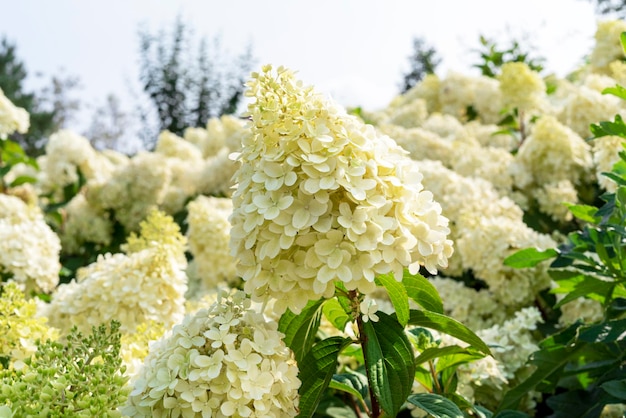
{"x": 433, "y": 373}
{"x": 375, "y": 412}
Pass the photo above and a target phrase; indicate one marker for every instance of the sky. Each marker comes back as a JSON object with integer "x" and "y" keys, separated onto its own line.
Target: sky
{"x": 354, "y": 50}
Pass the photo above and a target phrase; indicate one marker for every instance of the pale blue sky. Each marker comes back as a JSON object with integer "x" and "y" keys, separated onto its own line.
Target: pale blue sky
{"x": 354, "y": 50}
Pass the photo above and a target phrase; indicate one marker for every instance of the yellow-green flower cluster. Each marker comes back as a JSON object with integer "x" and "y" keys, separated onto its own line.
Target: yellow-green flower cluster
{"x": 29, "y": 249}
{"x": 521, "y": 87}
{"x": 608, "y": 47}
{"x": 226, "y": 360}
{"x": 322, "y": 197}
{"x": 135, "y": 345}
{"x": 147, "y": 283}
{"x": 12, "y": 118}
{"x": 19, "y": 326}
{"x": 209, "y": 235}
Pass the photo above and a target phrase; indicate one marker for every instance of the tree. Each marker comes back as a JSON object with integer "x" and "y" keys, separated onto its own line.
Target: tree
{"x": 607, "y": 7}
{"x": 492, "y": 57}
{"x": 49, "y": 109}
{"x": 109, "y": 125}
{"x": 186, "y": 90}
{"x": 424, "y": 60}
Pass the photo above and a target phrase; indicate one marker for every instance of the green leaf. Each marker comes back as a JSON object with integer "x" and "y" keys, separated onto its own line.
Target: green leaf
{"x": 398, "y": 296}
{"x": 584, "y": 212}
{"x": 422, "y": 292}
{"x": 529, "y": 257}
{"x": 549, "y": 361}
{"x": 508, "y": 413}
{"x": 316, "y": 371}
{"x": 437, "y": 352}
{"x": 608, "y": 332}
{"x": 615, "y": 388}
{"x": 436, "y": 405}
{"x": 583, "y": 286}
{"x": 448, "y": 326}
{"x": 389, "y": 362}
{"x": 351, "y": 382}
{"x": 22, "y": 180}
{"x": 617, "y": 91}
{"x": 335, "y": 313}
{"x": 300, "y": 329}
{"x": 617, "y": 128}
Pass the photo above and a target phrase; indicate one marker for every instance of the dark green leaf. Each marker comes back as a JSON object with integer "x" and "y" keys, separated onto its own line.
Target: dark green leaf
{"x": 436, "y": 405}
{"x": 549, "y": 362}
{"x": 398, "y": 296}
{"x": 316, "y": 371}
{"x": 608, "y": 332}
{"x": 389, "y": 362}
{"x": 300, "y": 329}
{"x": 448, "y": 326}
{"x": 353, "y": 379}
{"x": 529, "y": 257}
{"x": 422, "y": 292}
{"x": 616, "y": 388}
{"x": 508, "y": 413}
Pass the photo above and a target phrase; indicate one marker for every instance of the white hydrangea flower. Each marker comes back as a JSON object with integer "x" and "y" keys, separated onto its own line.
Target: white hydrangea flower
{"x": 29, "y": 249}
{"x": 226, "y": 360}
{"x": 552, "y": 199}
{"x": 12, "y": 118}
{"x": 171, "y": 145}
{"x": 84, "y": 223}
{"x": 585, "y": 106}
{"x": 608, "y": 47}
{"x": 476, "y": 309}
{"x": 67, "y": 155}
{"x": 148, "y": 283}
{"x": 310, "y": 175}
{"x": 421, "y": 144}
{"x": 133, "y": 189}
{"x": 209, "y": 235}
{"x": 552, "y": 152}
{"x": 606, "y": 151}
{"x": 456, "y": 92}
{"x": 521, "y": 87}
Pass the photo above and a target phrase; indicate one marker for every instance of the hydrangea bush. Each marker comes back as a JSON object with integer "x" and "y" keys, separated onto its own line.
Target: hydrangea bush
{"x": 299, "y": 261}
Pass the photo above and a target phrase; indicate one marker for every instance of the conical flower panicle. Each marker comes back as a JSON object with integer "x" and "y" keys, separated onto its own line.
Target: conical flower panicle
{"x": 323, "y": 197}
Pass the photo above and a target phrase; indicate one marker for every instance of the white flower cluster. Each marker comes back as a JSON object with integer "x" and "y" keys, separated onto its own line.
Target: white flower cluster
{"x": 487, "y": 228}
{"x": 83, "y": 223}
{"x": 29, "y": 249}
{"x": 552, "y": 152}
{"x": 133, "y": 189}
{"x": 67, "y": 154}
{"x": 322, "y": 197}
{"x": 209, "y": 235}
{"x": 606, "y": 151}
{"x": 521, "y": 87}
{"x": 476, "y": 309}
{"x": 147, "y": 283}
{"x": 224, "y": 361}
{"x": 12, "y": 118}
{"x": 608, "y": 47}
